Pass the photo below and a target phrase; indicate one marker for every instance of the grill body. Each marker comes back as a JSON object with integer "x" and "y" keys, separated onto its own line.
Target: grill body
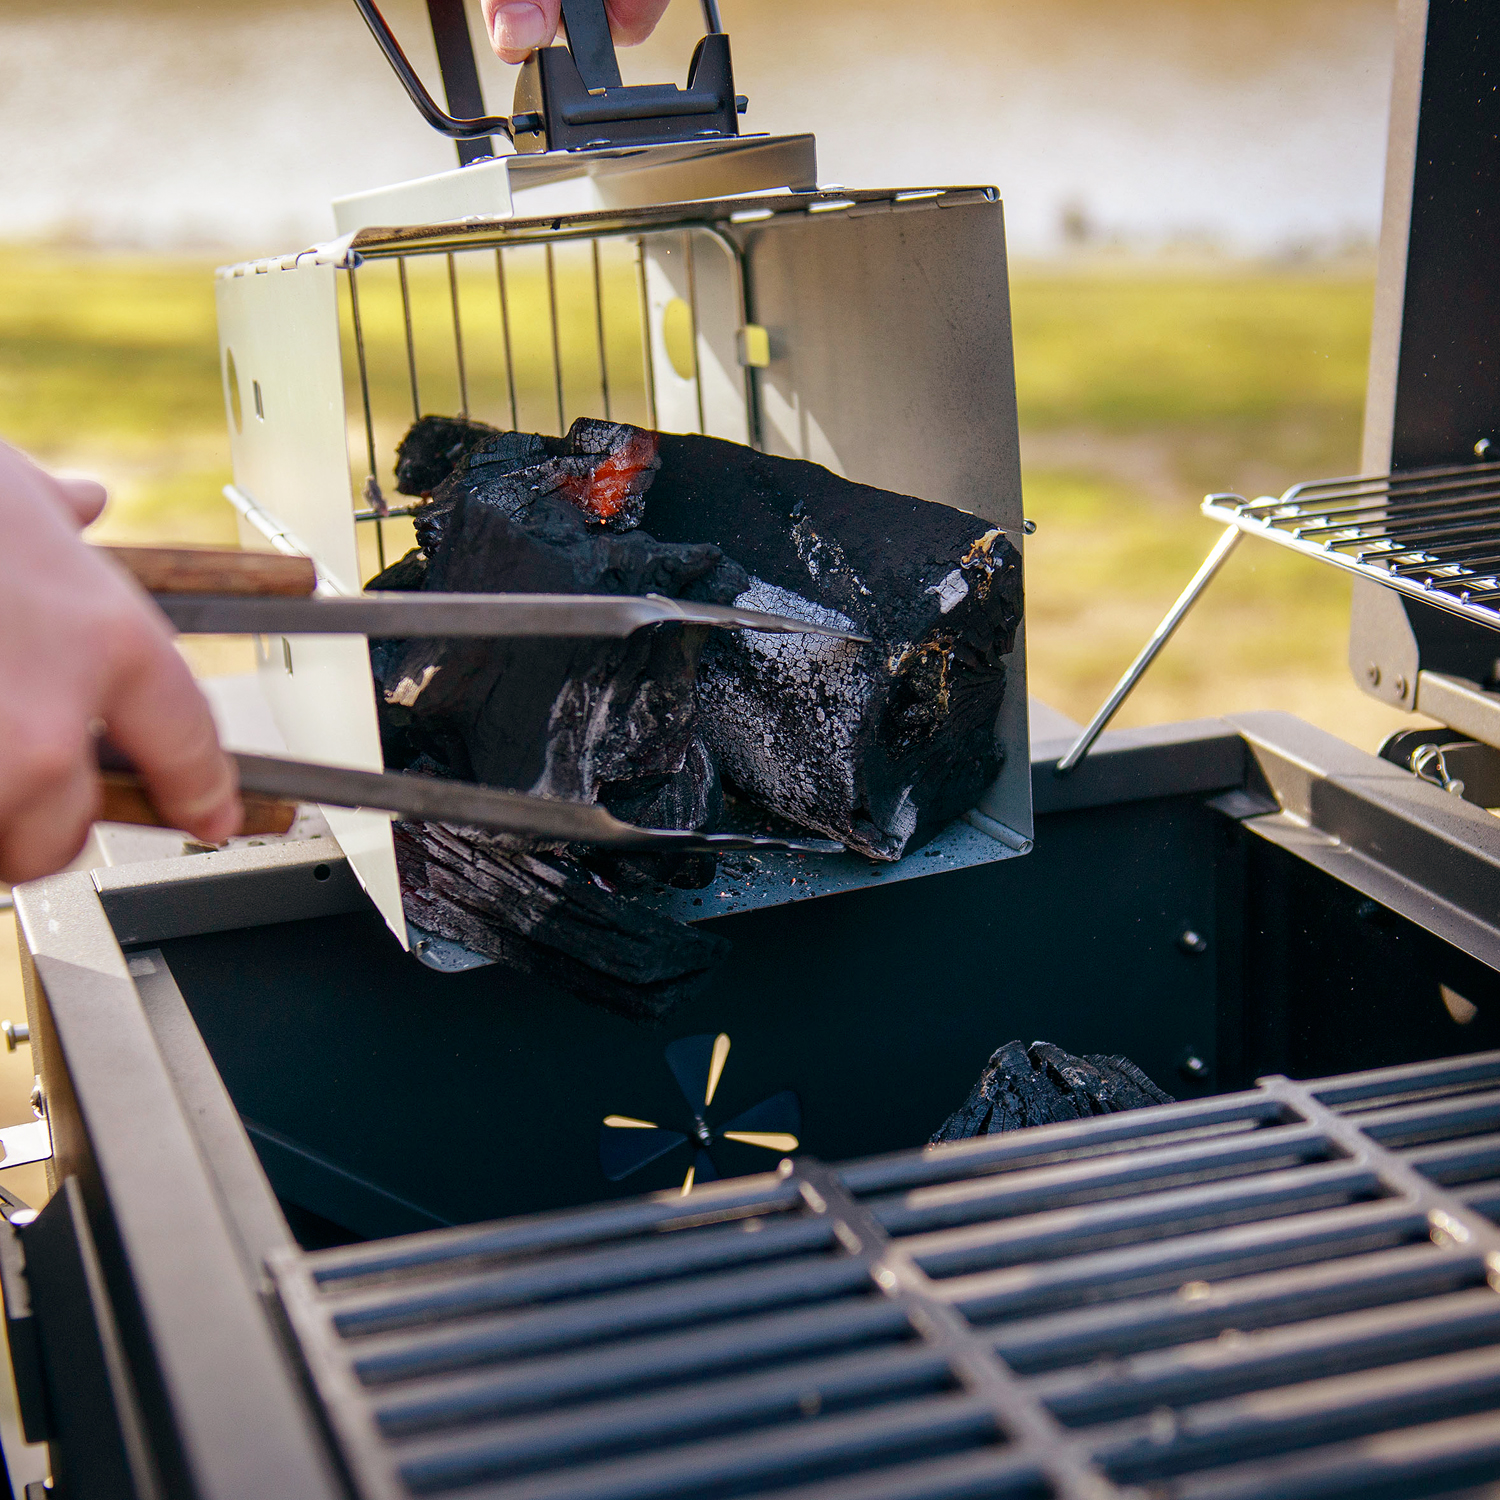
{"x": 1263, "y": 1293}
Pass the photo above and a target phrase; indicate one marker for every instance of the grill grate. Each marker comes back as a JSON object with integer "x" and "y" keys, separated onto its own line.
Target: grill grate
{"x": 1278, "y": 1293}
{"x": 1431, "y": 533}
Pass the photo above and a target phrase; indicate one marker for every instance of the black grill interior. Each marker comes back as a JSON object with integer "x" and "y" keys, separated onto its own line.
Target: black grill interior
{"x": 1284, "y": 1292}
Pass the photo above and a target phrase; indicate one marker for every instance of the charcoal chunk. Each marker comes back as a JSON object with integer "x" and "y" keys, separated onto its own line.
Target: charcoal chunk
{"x": 602, "y": 468}
{"x": 549, "y": 916}
{"x": 432, "y": 448}
{"x": 559, "y": 718}
{"x": 404, "y": 576}
{"x": 692, "y": 798}
{"x": 1041, "y": 1084}
{"x": 872, "y": 745}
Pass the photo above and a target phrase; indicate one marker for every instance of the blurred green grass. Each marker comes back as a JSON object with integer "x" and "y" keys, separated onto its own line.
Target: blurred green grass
{"x": 1140, "y": 387}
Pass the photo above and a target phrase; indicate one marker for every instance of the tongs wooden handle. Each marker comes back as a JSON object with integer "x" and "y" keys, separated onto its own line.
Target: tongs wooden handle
{"x": 127, "y": 801}
{"x": 206, "y": 570}
{"x": 217, "y": 570}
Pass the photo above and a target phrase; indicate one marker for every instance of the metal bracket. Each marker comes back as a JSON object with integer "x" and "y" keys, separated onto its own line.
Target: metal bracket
{"x": 1461, "y": 705}
{"x": 25, "y": 1144}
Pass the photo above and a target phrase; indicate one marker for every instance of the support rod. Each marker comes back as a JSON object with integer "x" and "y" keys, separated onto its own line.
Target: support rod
{"x": 1152, "y": 649}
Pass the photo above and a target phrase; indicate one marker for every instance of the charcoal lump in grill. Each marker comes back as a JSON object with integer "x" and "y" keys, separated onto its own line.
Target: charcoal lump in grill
{"x": 1041, "y": 1084}
{"x": 867, "y": 744}
{"x": 558, "y": 718}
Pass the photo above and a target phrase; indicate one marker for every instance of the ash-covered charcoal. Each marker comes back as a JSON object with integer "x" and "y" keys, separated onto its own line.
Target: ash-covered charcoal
{"x": 432, "y": 448}
{"x": 874, "y": 744}
{"x": 560, "y": 718}
{"x": 1041, "y": 1084}
{"x": 545, "y": 914}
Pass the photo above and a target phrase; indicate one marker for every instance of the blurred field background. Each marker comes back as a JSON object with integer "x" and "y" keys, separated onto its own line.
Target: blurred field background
{"x": 1142, "y": 385}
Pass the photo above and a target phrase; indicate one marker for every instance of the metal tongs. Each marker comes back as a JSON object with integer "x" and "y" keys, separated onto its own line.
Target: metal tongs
{"x": 205, "y": 591}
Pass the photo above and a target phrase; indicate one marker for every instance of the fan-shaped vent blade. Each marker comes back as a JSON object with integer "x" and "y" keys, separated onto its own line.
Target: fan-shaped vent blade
{"x": 771, "y": 1140}
{"x": 626, "y": 1122}
{"x": 627, "y": 1150}
{"x": 716, "y": 1066}
{"x": 781, "y": 1114}
{"x": 691, "y": 1059}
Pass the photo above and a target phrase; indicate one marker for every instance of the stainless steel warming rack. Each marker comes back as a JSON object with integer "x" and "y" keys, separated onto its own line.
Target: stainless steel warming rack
{"x": 1433, "y": 534}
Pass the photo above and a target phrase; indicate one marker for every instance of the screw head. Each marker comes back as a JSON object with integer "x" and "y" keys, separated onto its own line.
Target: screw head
{"x": 1193, "y": 1067}
{"x": 1482, "y": 448}
{"x": 1192, "y": 942}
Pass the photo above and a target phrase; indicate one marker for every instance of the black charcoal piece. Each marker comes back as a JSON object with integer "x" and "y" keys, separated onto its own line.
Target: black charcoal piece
{"x": 869, "y": 744}
{"x": 560, "y": 718}
{"x": 545, "y": 914}
{"x": 692, "y": 798}
{"x": 602, "y": 468}
{"x": 404, "y": 576}
{"x": 1041, "y": 1084}
{"x": 432, "y": 448}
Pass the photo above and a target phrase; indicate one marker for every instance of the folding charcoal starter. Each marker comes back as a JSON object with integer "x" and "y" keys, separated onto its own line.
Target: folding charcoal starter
{"x": 276, "y": 1138}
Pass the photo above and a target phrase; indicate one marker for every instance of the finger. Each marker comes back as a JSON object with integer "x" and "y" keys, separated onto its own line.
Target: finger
{"x": 79, "y": 499}
{"x": 50, "y": 829}
{"x": 518, "y": 27}
{"x": 160, "y": 720}
{"x": 632, "y": 21}
{"x": 84, "y": 498}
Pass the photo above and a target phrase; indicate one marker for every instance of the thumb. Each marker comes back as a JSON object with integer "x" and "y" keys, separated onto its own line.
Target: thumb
{"x": 518, "y": 27}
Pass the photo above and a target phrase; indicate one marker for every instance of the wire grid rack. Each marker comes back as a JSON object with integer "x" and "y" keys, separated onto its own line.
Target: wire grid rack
{"x": 1286, "y": 1292}
{"x": 528, "y": 333}
{"x": 1431, "y": 533}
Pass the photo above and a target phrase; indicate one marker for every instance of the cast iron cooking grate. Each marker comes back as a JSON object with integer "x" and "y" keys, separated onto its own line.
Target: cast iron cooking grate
{"x": 1280, "y": 1293}
{"x": 1431, "y": 533}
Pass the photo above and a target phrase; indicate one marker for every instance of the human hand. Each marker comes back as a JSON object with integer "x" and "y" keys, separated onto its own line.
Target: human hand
{"x": 83, "y": 652}
{"x": 517, "y": 27}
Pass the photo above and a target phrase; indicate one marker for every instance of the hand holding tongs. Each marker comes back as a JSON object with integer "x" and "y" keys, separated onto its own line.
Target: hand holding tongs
{"x": 223, "y": 592}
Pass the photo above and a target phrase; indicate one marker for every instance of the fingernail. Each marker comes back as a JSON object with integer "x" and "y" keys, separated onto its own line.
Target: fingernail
{"x": 519, "y": 28}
